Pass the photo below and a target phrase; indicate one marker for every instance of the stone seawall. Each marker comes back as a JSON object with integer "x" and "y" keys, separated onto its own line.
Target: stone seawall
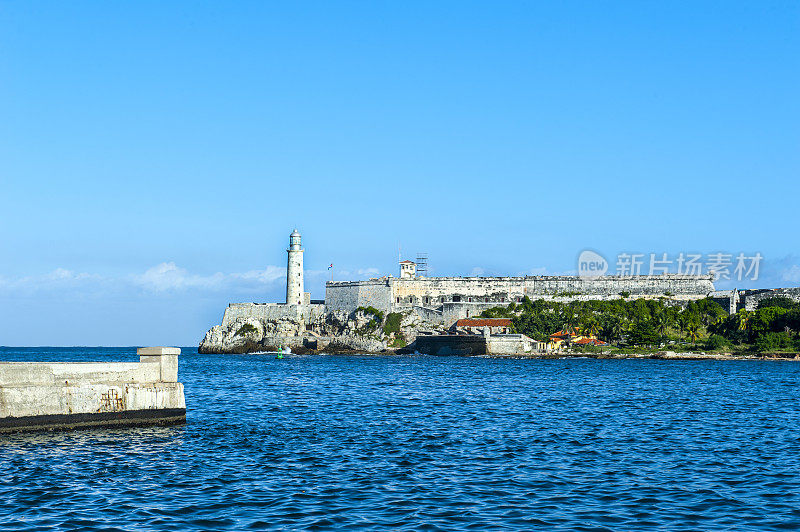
{"x": 57, "y": 395}
{"x": 474, "y": 344}
{"x": 451, "y": 345}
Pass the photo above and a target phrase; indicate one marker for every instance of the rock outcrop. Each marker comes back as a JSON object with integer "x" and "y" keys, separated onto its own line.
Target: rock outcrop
{"x": 362, "y": 331}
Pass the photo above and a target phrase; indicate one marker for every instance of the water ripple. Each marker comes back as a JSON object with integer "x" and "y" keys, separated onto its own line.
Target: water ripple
{"x": 429, "y": 444}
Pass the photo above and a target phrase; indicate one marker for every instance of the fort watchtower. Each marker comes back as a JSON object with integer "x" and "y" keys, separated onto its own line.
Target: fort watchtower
{"x": 408, "y": 269}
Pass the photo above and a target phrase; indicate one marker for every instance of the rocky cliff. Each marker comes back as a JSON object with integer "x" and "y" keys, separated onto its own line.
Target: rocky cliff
{"x": 362, "y": 331}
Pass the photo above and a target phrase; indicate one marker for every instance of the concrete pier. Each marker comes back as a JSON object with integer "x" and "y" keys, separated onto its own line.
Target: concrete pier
{"x": 66, "y": 395}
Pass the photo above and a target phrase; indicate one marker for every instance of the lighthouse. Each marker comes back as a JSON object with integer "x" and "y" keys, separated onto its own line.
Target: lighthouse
{"x": 294, "y": 271}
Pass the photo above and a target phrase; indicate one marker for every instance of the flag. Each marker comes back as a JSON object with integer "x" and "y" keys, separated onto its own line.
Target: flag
{"x": 331, "y": 266}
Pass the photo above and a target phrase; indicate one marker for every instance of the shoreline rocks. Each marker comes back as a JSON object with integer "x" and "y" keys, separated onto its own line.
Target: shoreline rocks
{"x": 336, "y": 333}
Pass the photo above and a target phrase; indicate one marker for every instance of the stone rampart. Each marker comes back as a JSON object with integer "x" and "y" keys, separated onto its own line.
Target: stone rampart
{"x": 434, "y": 291}
{"x": 463, "y": 297}
{"x": 452, "y": 312}
{"x": 749, "y": 299}
{"x": 727, "y": 299}
{"x": 438, "y": 290}
{"x": 428, "y": 314}
{"x": 272, "y": 312}
{"x": 674, "y": 285}
{"x": 348, "y": 296}
{"x": 735, "y": 300}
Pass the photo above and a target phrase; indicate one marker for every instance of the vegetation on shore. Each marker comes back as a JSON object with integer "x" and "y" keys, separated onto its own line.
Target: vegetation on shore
{"x": 246, "y": 329}
{"x": 390, "y": 325}
{"x": 377, "y": 318}
{"x": 700, "y": 325}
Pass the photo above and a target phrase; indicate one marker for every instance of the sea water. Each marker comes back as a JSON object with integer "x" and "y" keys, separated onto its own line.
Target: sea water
{"x": 419, "y": 442}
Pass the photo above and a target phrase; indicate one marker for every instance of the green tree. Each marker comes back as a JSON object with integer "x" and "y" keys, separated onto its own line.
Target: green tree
{"x": 693, "y": 331}
{"x": 643, "y": 333}
{"x": 640, "y": 311}
{"x": 716, "y": 341}
{"x": 743, "y": 319}
{"x": 771, "y": 341}
{"x": 683, "y": 322}
{"x": 766, "y": 319}
{"x": 662, "y": 322}
{"x": 590, "y": 325}
{"x": 778, "y": 301}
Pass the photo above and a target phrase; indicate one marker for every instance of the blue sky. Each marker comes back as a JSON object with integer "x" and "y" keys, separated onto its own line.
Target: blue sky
{"x": 155, "y": 156}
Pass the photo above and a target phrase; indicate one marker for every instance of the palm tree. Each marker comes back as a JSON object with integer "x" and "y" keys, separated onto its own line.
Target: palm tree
{"x": 607, "y": 331}
{"x": 662, "y": 322}
{"x": 589, "y": 325}
{"x": 618, "y": 328}
{"x": 693, "y": 330}
{"x": 742, "y": 319}
{"x": 683, "y": 321}
{"x": 569, "y": 320}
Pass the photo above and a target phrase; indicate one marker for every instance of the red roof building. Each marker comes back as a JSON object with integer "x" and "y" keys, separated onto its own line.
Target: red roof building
{"x": 590, "y": 341}
{"x": 479, "y": 325}
{"x": 484, "y": 322}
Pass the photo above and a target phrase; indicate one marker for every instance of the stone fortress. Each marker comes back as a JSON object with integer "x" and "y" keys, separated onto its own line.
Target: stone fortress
{"x": 444, "y": 300}
{"x": 447, "y": 299}
{"x": 436, "y": 303}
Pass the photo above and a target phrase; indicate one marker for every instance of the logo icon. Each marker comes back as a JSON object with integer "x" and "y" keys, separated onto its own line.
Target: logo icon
{"x": 591, "y": 264}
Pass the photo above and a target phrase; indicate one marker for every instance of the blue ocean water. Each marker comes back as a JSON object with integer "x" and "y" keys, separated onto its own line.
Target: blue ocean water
{"x": 325, "y": 442}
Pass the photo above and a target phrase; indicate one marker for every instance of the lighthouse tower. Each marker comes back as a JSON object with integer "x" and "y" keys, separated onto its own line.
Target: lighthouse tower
{"x": 294, "y": 271}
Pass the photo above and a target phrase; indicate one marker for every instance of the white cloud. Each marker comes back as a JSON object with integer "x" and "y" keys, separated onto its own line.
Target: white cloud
{"x": 791, "y": 275}
{"x": 361, "y": 273}
{"x": 477, "y": 272}
{"x": 60, "y": 278}
{"x": 266, "y": 276}
{"x": 164, "y": 277}
{"x": 168, "y": 276}
{"x": 537, "y": 271}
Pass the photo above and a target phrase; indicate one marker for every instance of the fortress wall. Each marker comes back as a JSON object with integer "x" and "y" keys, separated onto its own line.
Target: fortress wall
{"x": 727, "y": 299}
{"x": 428, "y": 314}
{"x": 502, "y": 290}
{"x": 348, "y": 296}
{"x": 452, "y": 312}
{"x": 696, "y": 287}
{"x": 462, "y": 297}
{"x": 272, "y": 311}
{"x": 751, "y": 298}
{"x": 436, "y": 290}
